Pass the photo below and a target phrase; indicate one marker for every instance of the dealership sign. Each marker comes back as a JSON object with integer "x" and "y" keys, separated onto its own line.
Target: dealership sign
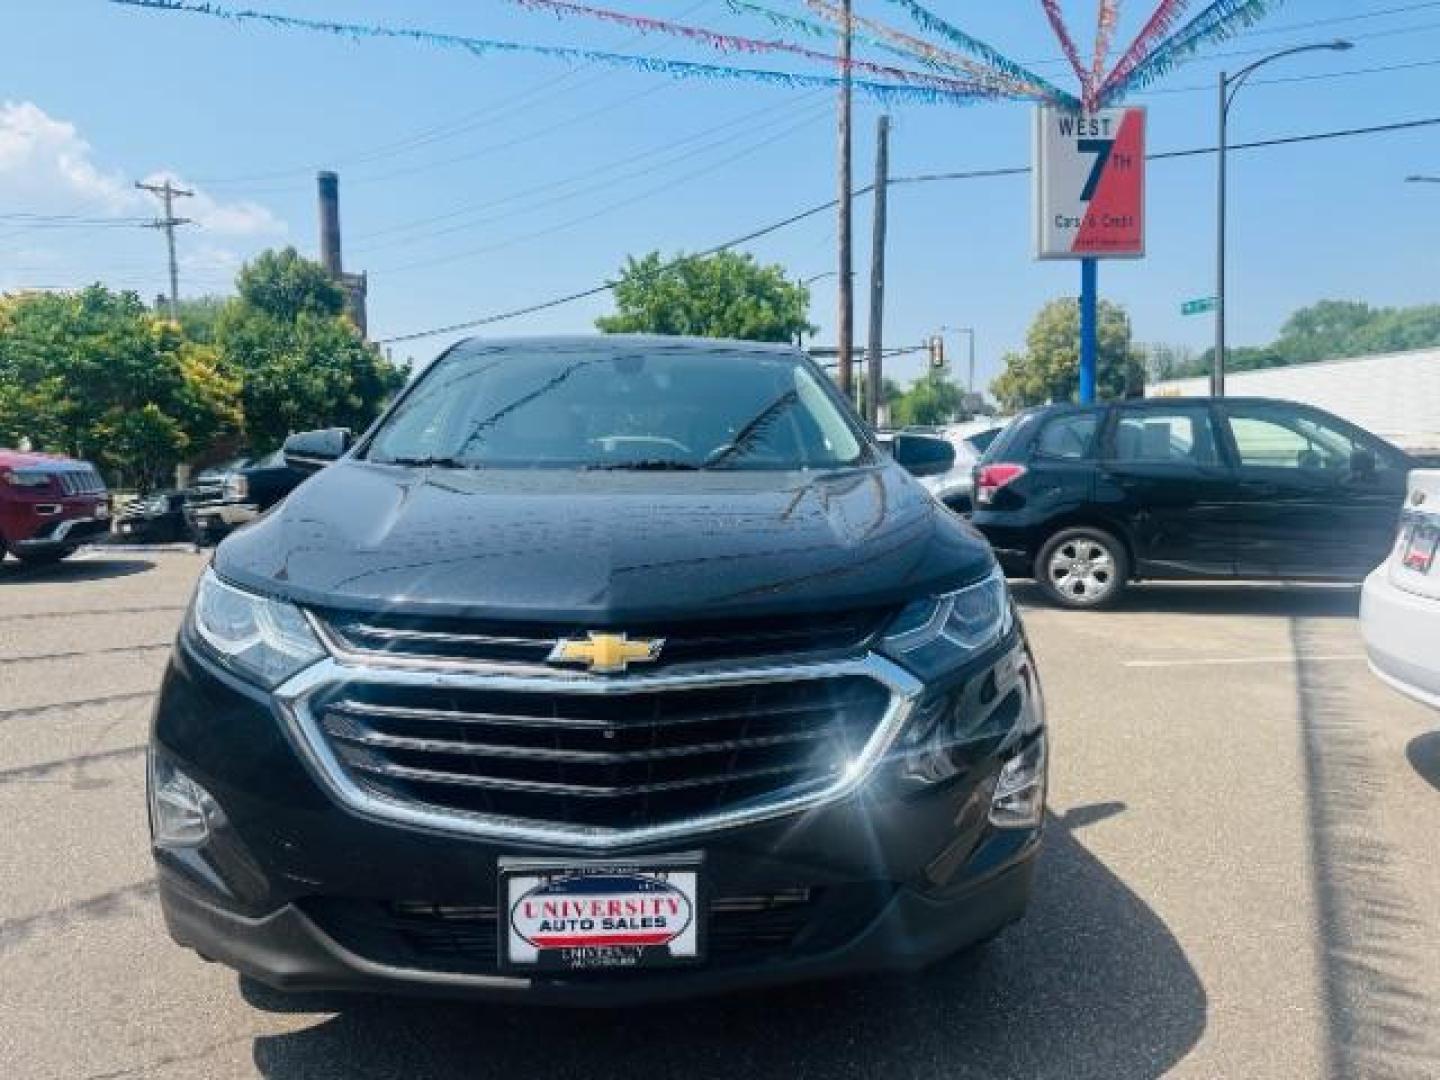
{"x": 1090, "y": 184}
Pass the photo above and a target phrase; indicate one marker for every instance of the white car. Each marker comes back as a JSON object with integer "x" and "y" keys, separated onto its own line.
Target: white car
{"x": 1400, "y": 608}
{"x": 955, "y": 488}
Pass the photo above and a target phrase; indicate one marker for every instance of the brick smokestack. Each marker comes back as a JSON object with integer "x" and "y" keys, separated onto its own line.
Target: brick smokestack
{"x": 329, "y": 185}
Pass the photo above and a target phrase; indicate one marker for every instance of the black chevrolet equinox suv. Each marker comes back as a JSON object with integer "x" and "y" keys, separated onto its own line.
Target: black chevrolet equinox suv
{"x": 599, "y": 670}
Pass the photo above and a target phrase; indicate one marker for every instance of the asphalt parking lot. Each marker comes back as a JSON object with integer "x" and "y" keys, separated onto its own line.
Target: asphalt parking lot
{"x": 1241, "y": 878}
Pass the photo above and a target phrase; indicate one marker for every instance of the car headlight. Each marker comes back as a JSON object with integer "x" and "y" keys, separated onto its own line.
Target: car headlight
{"x": 237, "y": 489}
{"x": 934, "y": 634}
{"x": 265, "y": 640}
{"x": 25, "y": 478}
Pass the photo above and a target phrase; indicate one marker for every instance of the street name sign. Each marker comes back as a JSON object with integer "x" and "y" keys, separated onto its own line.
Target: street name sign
{"x": 1089, "y": 184}
{"x": 1200, "y": 306}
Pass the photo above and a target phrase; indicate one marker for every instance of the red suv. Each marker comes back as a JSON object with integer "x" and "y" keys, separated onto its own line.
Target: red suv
{"x": 49, "y": 505}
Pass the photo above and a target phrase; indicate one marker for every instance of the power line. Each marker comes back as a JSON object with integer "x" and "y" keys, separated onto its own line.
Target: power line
{"x": 820, "y": 208}
{"x": 646, "y": 172}
{"x": 1321, "y": 76}
{"x": 544, "y": 91}
{"x": 808, "y": 119}
{"x": 660, "y": 150}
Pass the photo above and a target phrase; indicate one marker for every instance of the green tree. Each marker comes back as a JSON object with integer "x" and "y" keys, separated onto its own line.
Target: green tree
{"x": 298, "y": 359}
{"x": 1049, "y": 368}
{"x": 932, "y": 399}
{"x": 725, "y": 295}
{"x": 98, "y": 375}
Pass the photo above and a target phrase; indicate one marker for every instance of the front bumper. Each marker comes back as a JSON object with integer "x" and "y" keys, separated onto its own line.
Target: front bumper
{"x": 221, "y": 515}
{"x": 68, "y": 533}
{"x": 1400, "y": 630}
{"x": 287, "y": 950}
{"x": 899, "y": 872}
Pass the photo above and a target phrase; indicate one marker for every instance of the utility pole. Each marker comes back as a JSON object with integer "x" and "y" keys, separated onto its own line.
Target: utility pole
{"x": 845, "y": 330}
{"x": 874, "y": 375}
{"x": 168, "y": 193}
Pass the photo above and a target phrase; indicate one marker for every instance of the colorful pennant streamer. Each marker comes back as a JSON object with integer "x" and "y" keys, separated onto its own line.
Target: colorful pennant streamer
{"x": 956, "y": 92}
{"x": 1072, "y": 54}
{"x": 914, "y": 48}
{"x": 1105, "y": 22}
{"x": 931, "y": 22}
{"x": 732, "y": 43}
{"x": 1162, "y": 20}
{"x": 1222, "y": 19}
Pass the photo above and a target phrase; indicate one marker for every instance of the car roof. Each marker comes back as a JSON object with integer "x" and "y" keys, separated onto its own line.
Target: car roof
{"x": 1164, "y": 402}
{"x": 622, "y": 343}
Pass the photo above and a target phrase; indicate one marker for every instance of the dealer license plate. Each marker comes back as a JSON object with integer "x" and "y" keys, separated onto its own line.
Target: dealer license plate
{"x": 591, "y": 916}
{"x": 1420, "y": 547}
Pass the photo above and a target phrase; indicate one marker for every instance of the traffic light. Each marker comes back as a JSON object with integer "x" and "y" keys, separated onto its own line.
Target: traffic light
{"x": 936, "y": 347}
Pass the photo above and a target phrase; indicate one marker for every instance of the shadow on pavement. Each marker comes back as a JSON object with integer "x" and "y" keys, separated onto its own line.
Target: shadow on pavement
{"x": 95, "y": 568}
{"x": 1090, "y": 984}
{"x": 1221, "y": 598}
{"x": 1379, "y": 1015}
{"x": 1424, "y": 755}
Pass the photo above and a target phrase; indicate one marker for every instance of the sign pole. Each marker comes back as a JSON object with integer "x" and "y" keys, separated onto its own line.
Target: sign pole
{"x": 1089, "y": 329}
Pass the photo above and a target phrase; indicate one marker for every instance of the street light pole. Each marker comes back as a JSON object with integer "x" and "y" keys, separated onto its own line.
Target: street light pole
{"x": 970, "y": 383}
{"x": 1229, "y": 87}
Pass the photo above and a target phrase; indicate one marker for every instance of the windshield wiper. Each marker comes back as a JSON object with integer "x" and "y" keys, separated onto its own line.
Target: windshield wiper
{"x": 643, "y": 465}
{"x": 429, "y": 462}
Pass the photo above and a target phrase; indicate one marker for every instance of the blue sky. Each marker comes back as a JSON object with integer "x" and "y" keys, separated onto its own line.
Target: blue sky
{"x": 474, "y": 186}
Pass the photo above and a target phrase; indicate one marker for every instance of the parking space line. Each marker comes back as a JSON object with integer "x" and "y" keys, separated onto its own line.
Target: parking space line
{"x": 1226, "y": 661}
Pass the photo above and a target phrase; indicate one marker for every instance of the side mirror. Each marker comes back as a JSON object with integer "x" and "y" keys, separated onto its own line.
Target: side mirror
{"x": 310, "y": 451}
{"x": 922, "y": 455}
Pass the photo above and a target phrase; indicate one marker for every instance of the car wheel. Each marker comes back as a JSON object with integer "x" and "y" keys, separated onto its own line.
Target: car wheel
{"x": 45, "y": 558}
{"x": 1083, "y": 568}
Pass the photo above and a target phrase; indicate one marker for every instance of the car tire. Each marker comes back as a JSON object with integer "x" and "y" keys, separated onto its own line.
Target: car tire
{"x": 45, "y": 558}
{"x": 1083, "y": 568}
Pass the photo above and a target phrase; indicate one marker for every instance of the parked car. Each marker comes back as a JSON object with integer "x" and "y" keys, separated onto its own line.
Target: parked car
{"x": 1088, "y": 499}
{"x": 49, "y": 505}
{"x": 956, "y": 486}
{"x": 1400, "y": 606}
{"x": 224, "y": 497}
{"x": 155, "y": 518}
{"x": 601, "y": 670}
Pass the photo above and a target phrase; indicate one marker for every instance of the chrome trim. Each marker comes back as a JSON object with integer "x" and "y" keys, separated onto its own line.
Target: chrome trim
{"x": 61, "y": 533}
{"x": 369, "y": 658}
{"x": 386, "y": 633}
{"x": 294, "y": 696}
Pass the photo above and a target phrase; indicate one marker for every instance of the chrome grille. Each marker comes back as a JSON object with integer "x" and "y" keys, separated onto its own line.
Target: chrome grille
{"x": 400, "y": 637}
{"x": 80, "y": 482}
{"x": 614, "y": 762}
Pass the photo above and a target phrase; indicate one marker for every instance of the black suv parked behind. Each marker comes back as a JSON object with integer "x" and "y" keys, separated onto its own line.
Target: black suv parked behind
{"x": 1088, "y": 499}
{"x": 235, "y": 493}
{"x": 601, "y": 669}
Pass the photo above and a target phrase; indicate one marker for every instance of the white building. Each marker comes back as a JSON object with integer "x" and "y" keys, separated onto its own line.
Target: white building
{"x": 1396, "y": 395}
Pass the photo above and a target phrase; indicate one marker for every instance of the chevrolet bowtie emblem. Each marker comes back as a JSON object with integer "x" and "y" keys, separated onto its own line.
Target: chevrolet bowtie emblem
{"x": 606, "y": 654}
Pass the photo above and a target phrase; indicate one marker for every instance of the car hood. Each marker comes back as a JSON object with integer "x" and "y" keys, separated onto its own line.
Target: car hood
{"x": 602, "y": 547}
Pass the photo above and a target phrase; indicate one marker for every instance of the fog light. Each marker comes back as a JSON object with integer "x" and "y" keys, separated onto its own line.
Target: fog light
{"x": 182, "y": 813}
{"x": 1019, "y": 799}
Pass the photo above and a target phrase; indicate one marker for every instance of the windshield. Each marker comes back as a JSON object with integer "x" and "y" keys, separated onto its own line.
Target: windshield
{"x": 509, "y": 407}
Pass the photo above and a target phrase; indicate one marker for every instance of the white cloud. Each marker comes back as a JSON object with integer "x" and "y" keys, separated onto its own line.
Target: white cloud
{"x": 46, "y": 166}
{"x": 242, "y": 218}
{"x": 42, "y": 156}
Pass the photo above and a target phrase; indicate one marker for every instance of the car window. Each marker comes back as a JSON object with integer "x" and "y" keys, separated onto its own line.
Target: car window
{"x": 1011, "y": 435}
{"x": 1070, "y": 438}
{"x": 602, "y": 407}
{"x": 1165, "y": 437}
{"x": 1285, "y": 439}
